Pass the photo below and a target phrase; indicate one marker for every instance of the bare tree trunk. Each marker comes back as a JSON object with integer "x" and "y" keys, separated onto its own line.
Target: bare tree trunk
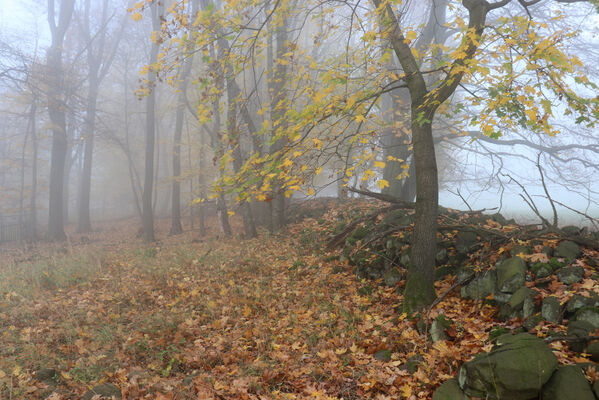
{"x": 33, "y": 199}
{"x": 22, "y": 187}
{"x": 147, "y": 208}
{"x": 56, "y": 112}
{"x": 277, "y": 114}
{"x": 98, "y": 64}
{"x": 84, "y": 220}
{"x": 176, "y": 227}
{"x": 202, "y": 184}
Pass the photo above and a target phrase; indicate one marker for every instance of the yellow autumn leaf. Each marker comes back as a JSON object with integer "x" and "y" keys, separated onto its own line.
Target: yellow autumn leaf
{"x": 136, "y": 16}
{"x": 382, "y": 183}
{"x": 379, "y": 164}
{"x": 247, "y": 311}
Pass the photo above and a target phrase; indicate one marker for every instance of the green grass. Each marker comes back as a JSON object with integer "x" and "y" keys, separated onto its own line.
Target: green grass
{"x": 60, "y": 271}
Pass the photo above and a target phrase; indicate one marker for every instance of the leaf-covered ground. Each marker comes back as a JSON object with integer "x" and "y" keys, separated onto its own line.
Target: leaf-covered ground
{"x": 268, "y": 318}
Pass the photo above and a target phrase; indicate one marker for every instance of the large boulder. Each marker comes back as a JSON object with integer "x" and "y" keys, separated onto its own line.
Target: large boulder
{"x": 577, "y": 302}
{"x": 450, "y": 390}
{"x": 570, "y": 275}
{"x": 551, "y": 309}
{"x": 465, "y": 240}
{"x": 579, "y": 329}
{"x": 516, "y": 369}
{"x": 483, "y": 285}
{"x": 519, "y": 249}
{"x": 593, "y": 350}
{"x": 392, "y": 277}
{"x": 588, "y": 314}
{"x": 541, "y": 270}
{"x": 511, "y": 274}
{"x": 438, "y": 327}
{"x": 568, "y": 382}
{"x": 519, "y": 297}
{"x": 568, "y": 250}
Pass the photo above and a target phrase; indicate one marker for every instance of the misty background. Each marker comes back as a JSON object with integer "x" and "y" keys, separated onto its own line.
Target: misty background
{"x": 475, "y": 171}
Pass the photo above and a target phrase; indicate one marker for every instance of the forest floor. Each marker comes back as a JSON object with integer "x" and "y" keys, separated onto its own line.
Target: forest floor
{"x": 219, "y": 318}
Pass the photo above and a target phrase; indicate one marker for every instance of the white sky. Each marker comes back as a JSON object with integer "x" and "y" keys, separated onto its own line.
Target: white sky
{"x": 20, "y": 20}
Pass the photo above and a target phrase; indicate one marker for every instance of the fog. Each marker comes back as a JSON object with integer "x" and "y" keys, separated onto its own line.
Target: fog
{"x": 80, "y": 108}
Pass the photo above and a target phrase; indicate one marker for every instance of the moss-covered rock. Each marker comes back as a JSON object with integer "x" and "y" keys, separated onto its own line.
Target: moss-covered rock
{"x": 438, "y": 327}
{"x": 568, "y": 250}
{"x": 517, "y": 299}
{"x": 516, "y": 369}
{"x": 593, "y": 350}
{"x": 465, "y": 240}
{"x": 443, "y": 271}
{"x": 577, "y": 302}
{"x": 392, "y": 277}
{"x": 483, "y": 285}
{"x": 450, "y": 390}
{"x": 531, "y": 322}
{"x": 519, "y": 249}
{"x": 568, "y": 382}
{"x": 541, "y": 270}
{"x": 588, "y": 314}
{"x": 511, "y": 274}
{"x": 579, "y": 329}
{"x": 570, "y": 275}
{"x": 551, "y": 309}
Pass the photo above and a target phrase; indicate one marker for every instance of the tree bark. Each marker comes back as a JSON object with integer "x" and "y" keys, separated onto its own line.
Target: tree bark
{"x": 147, "y": 209}
{"x": 419, "y": 291}
{"x": 176, "y": 227}
{"x": 56, "y": 113}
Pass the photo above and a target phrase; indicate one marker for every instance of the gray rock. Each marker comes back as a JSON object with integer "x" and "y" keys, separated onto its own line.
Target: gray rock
{"x": 511, "y": 274}
{"x": 570, "y": 275}
{"x": 568, "y": 250}
{"x": 519, "y": 249}
{"x": 443, "y": 271}
{"x": 532, "y": 322}
{"x": 517, "y": 299}
{"x": 506, "y": 313}
{"x": 502, "y": 298}
{"x": 547, "y": 250}
{"x": 481, "y": 287}
{"x": 465, "y": 273}
{"x": 404, "y": 259}
{"x": 571, "y": 230}
{"x": 541, "y": 270}
{"x": 441, "y": 257}
{"x": 568, "y": 382}
{"x": 529, "y": 307}
{"x": 578, "y": 329}
{"x": 516, "y": 369}
{"x": 438, "y": 328}
{"x": 465, "y": 240}
{"x": 588, "y": 314}
{"x": 593, "y": 350}
{"x": 497, "y": 331}
{"x": 450, "y": 390}
{"x": 105, "y": 390}
{"x": 392, "y": 277}
{"x": 577, "y": 302}
{"x": 551, "y": 309}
